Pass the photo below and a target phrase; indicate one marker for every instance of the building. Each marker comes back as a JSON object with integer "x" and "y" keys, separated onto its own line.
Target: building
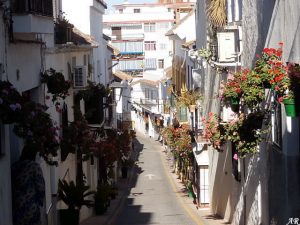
{"x": 90, "y": 23}
{"x": 24, "y": 36}
{"x": 32, "y": 43}
{"x": 262, "y": 188}
{"x": 137, "y": 30}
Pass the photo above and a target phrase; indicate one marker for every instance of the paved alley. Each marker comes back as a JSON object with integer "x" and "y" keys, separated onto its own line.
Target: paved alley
{"x": 151, "y": 198}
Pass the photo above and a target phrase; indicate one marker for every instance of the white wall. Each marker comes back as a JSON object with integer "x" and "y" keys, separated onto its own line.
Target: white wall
{"x": 75, "y": 9}
{"x": 158, "y": 15}
{"x": 23, "y": 73}
{"x": 90, "y": 13}
{"x": 67, "y": 169}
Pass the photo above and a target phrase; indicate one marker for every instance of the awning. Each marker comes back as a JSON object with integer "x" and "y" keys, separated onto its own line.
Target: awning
{"x": 122, "y": 75}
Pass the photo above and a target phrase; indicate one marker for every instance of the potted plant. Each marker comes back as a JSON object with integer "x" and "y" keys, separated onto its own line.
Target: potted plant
{"x": 244, "y": 134}
{"x": 74, "y": 196}
{"x": 291, "y": 87}
{"x": 269, "y": 66}
{"x": 214, "y": 131}
{"x": 168, "y": 134}
{"x": 10, "y": 103}
{"x": 183, "y": 144}
{"x": 252, "y": 91}
{"x": 93, "y": 97}
{"x": 102, "y": 198}
{"x": 56, "y": 84}
{"x": 37, "y": 129}
{"x": 231, "y": 92}
{"x": 125, "y": 165}
{"x": 189, "y": 99}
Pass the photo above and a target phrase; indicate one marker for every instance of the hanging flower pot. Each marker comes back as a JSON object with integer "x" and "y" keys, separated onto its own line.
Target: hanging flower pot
{"x": 290, "y": 107}
{"x": 192, "y": 108}
{"x": 266, "y": 84}
{"x": 235, "y": 104}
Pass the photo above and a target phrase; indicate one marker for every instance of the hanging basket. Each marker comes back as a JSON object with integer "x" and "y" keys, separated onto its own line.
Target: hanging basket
{"x": 290, "y": 107}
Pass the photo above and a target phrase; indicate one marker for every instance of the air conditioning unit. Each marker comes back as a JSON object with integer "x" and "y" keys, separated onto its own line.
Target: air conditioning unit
{"x": 80, "y": 76}
{"x": 227, "y": 46}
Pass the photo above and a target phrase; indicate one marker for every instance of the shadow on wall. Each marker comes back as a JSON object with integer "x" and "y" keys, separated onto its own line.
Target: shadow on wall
{"x": 284, "y": 183}
{"x": 222, "y": 182}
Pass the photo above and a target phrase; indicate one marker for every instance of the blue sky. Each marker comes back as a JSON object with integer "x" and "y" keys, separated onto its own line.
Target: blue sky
{"x": 115, "y": 2}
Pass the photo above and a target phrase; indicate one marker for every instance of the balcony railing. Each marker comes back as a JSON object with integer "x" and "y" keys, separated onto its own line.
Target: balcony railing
{"x": 37, "y": 7}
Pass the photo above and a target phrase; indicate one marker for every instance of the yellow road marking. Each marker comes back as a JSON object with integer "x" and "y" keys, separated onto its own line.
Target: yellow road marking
{"x": 186, "y": 208}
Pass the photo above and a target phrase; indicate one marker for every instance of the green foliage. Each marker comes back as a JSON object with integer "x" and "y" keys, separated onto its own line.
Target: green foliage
{"x": 246, "y": 132}
{"x": 188, "y": 98}
{"x": 74, "y": 196}
{"x": 94, "y": 91}
{"x": 10, "y": 103}
{"x": 38, "y": 130}
{"x": 56, "y": 84}
{"x": 214, "y": 131}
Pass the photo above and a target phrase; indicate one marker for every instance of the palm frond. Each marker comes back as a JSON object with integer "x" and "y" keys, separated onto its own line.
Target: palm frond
{"x": 216, "y": 12}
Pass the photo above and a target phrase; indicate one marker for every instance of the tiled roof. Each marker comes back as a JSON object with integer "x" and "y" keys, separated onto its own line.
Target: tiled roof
{"x": 150, "y": 82}
{"x": 80, "y": 38}
{"x": 122, "y": 75}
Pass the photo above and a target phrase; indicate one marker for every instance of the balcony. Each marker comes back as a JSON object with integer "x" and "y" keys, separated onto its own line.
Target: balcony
{"x": 32, "y": 16}
{"x": 35, "y": 7}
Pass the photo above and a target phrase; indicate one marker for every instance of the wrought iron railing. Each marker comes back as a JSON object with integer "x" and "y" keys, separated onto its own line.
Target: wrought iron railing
{"x": 37, "y": 7}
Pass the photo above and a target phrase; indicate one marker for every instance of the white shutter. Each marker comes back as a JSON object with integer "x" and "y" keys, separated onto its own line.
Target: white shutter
{"x": 204, "y": 185}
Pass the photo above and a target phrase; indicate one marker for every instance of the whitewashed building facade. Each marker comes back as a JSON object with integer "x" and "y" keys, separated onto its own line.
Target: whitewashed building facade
{"x": 137, "y": 30}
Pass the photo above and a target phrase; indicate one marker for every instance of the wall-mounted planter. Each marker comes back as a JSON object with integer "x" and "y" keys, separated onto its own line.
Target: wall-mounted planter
{"x": 228, "y": 114}
{"x": 235, "y": 104}
{"x": 290, "y": 107}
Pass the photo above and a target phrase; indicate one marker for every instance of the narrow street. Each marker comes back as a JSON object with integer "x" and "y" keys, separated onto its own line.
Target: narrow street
{"x": 152, "y": 197}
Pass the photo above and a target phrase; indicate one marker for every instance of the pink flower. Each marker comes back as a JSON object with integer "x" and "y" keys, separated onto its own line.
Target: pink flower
{"x": 235, "y": 156}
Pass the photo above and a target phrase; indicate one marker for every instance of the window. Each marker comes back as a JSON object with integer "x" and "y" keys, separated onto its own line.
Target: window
{"x": 73, "y": 62}
{"x": 148, "y": 94}
{"x": 163, "y": 46}
{"x": 164, "y": 25}
{"x": 150, "y": 64}
{"x": 183, "y": 115}
{"x": 149, "y": 27}
{"x": 150, "y": 45}
{"x": 80, "y": 76}
{"x": 120, "y": 11}
{"x": 116, "y": 31}
{"x": 161, "y": 64}
{"x": 136, "y": 10}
